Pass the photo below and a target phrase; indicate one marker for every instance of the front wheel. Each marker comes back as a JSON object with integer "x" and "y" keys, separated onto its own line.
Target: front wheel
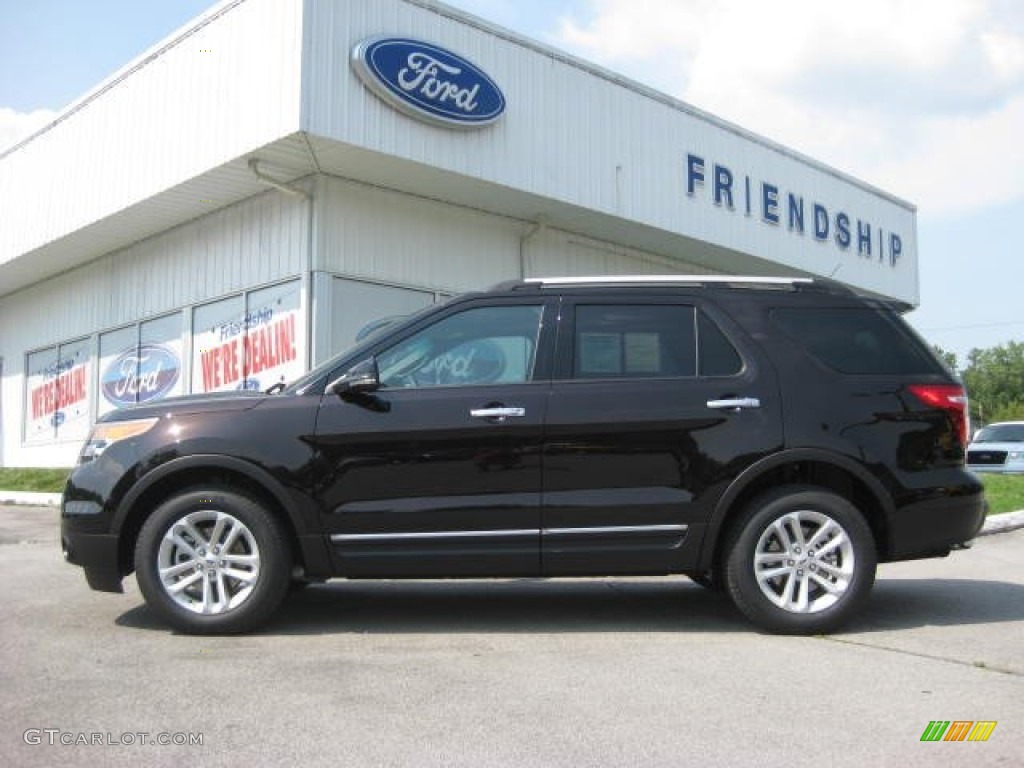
{"x": 801, "y": 560}
{"x": 212, "y": 561}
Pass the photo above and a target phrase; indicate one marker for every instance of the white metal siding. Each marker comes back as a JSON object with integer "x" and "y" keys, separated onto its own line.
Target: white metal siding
{"x": 383, "y": 235}
{"x": 553, "y": 253}
{"x": 258, "y": 241}
{"x": 210, "y": 95}
{"x": 377, "y": 234}
{"x": 590, "y": 140}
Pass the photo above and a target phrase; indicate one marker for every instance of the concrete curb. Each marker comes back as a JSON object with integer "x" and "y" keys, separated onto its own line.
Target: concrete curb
{"x": 29, "y": 499}
{"x": 1011, "y": 521}
{"x": 1005, "y": 523}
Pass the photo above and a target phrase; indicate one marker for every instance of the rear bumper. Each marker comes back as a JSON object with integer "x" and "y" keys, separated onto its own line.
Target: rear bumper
{"x": 933, "y": 527}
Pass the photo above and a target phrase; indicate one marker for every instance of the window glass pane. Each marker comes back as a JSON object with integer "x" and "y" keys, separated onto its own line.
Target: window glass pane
{"x": 119, "y": 368}
{"x": 217, "y": 330}
{"x": 140, "y": 363}
{"x": 487, "y": 345}
{"x": 57, "y": 393}
{"x": 41, "y": 405}
{"x": 160, "y": 358}
{"x": 643, "y": 341}
{"x": 249, "y": 343}
{"x": 358, "y": 309}
{"x": 718, "y": 357}
{"x": 856, "y": 340}
{"x": 273, "y": 337}
{"x": 73, "y": 382}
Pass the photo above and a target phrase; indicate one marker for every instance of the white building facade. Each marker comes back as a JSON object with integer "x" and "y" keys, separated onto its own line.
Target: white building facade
{"x": 232, "y": 207}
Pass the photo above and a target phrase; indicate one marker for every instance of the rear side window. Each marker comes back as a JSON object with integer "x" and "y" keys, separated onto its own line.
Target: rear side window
{"x": 649, "y": 341}
{"x": 856, "y": 339}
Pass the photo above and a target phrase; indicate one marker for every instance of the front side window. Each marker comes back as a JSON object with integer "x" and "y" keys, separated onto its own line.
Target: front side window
{"x": 484, "y": 345}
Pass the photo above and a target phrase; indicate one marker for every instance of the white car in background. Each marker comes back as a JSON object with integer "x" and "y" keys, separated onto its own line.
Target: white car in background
{"x": 998, "y": 447}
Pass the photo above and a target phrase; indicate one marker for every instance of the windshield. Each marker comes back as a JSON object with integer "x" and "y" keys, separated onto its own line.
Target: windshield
{"x": 370, "y": 335}
{"x": 1001, "y": 433}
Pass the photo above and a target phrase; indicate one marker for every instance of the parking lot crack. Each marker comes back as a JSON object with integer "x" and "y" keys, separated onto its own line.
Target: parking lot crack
{"x": 977, "y": 664}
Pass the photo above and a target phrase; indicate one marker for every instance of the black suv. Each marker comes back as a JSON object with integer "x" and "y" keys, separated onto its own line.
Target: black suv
{"x": 773, "y": 437}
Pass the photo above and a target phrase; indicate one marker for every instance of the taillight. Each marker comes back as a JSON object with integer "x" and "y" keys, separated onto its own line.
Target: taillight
{"x": 952, "y": 398}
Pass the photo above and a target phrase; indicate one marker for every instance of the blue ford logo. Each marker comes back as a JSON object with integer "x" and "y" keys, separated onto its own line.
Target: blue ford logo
{"x": 147, "y": 372}
{"x": 428, "y": 82}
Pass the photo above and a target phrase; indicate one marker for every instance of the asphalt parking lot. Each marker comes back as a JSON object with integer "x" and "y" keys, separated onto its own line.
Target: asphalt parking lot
{"x": 609, "y": 672}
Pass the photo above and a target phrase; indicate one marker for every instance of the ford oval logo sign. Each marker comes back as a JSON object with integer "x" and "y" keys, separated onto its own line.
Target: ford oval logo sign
{"x": 428, "y": 82}
{"x": 147, "y": 372}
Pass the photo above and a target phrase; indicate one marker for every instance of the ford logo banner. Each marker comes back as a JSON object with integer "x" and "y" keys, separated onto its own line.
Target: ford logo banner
{"x": 147, "y": 372}
{"x": 428, "y": 82}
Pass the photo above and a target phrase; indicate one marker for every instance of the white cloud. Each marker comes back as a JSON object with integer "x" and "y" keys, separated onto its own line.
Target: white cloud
{"x": 15, "y": 126}
{"x": 923, "y": 98}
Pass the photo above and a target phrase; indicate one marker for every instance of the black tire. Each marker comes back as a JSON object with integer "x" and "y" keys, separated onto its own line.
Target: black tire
{"x": 226, "y": 559}
{"x": 800, "y": 589}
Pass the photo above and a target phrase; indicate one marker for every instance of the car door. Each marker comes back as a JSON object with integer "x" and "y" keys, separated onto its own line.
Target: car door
{"x": 437, "y": 472}
{"x": 653, "y": 410}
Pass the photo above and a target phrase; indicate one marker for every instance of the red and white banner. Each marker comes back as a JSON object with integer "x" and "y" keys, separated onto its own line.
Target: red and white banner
{"x": 252, "y": 352}
{"x": 57, "y": 404}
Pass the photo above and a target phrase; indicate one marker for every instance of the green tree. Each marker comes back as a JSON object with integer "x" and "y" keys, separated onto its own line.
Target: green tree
{"x": 949, "y": 358}
{"x": 995, "y": 383}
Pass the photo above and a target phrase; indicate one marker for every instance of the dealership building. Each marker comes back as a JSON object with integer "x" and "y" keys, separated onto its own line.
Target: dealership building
{"x": 235, "y": 205}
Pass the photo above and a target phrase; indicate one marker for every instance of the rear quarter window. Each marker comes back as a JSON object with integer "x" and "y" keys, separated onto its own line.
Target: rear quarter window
{"x": 857, "y": 339}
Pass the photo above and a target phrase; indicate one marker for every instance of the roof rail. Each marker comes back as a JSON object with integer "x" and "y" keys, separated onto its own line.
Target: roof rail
{"x": 667, "y": 280}
{"x": 813, "y": 284}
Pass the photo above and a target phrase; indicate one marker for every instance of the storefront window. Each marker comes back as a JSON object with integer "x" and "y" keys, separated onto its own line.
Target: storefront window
{"x": 57, "y": 395}
{"x": 140, "y": 363}
{"x": 359, "y": 309}
{"x": 248, "y": 342}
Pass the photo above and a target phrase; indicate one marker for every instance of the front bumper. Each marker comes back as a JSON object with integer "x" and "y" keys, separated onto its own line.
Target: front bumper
{"x": 97, "y": 553}
{"x": 86, "y": 540}
{"x": 1010, "y": 468}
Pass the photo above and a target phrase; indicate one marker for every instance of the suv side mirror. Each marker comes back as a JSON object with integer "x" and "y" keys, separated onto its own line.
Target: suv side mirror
{"x": 360, "y": 378}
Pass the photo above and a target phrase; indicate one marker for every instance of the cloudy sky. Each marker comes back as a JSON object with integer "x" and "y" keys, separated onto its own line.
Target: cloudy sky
{"x": 923, "y": 98}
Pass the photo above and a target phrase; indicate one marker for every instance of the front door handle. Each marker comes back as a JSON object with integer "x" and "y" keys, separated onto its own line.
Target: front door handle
{"x": 498, "y": 413}
{"x": 734, "y": 403}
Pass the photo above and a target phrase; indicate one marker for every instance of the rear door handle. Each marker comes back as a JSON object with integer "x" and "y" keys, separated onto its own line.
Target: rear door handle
{"x": 499, "y": 413}
{"x": 734, "y": 403}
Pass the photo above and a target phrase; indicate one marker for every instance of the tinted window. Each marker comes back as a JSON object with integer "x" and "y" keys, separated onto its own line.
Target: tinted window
{"x": 645, "y": 341}
{"x": 485, "y": 345}
{"x": 856, "y": 340}
{"x": 718, "y": 357}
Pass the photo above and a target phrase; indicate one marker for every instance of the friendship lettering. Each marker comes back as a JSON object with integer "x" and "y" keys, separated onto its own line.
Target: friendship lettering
{"x": 767, "y": 200}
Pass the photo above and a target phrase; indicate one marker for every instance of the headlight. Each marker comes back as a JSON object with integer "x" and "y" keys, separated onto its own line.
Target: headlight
{"x": 1015, "y": 455}
{"x": 105, "y": 435}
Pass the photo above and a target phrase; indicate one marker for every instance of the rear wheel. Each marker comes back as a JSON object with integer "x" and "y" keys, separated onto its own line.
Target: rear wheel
{"x": 800, "y": 561}
{"x": 212, "y": 561}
